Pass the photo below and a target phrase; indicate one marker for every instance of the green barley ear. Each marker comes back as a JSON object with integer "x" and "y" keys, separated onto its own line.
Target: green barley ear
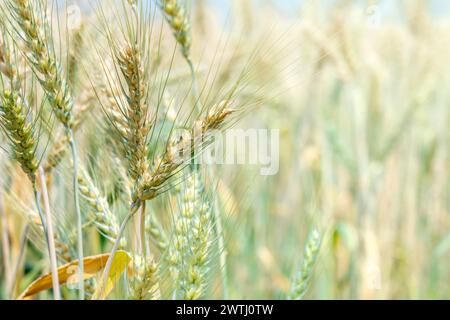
{"x": 101, "y": 215}
{"x": 188, "y": 256}
{"x": 19, "y": 130}
{"x": 154, "y": 229}
{"x": 42, "y": 59}
{"x": 145, "y": 285}
{"x": 178, "y": 20}
{"x": 303, "y": 278}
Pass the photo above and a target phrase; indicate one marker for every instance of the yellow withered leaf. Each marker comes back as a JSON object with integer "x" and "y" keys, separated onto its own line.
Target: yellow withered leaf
{"x": 68, "y": 273}
{"x": 117, "y": 267}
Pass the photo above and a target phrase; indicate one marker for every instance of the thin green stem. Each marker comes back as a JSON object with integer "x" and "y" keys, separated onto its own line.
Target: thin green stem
{"x": 19, "y": 259}
{"x": 5, "y": 245}
{"x": 79, "y": 228}
{"x": 49, "y": 236}
{"x": 142, "y": 230}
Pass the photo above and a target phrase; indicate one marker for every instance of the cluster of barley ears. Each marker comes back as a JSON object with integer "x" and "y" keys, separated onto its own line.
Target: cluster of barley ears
{"x": 102, "y": 122}
{"x": 117, "y": 84}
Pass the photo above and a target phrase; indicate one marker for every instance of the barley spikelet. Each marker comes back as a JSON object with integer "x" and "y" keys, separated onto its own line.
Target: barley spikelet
{"x": 102, "y": 217}
{"x": 117, "y": 126}
{"x": 215, "y": 118}
{"x": 303, "y": 278}
{"x": 188, "y": 256}
{"x": 43, "y": 60}
{"x": 6, "y": 67}
{"x": 179, "y": 22}
{"x": 177, "y": 154}
{"x": 74, "y": 54}
{"x": 145, "y": 286}
{"x": 19, "y": 131}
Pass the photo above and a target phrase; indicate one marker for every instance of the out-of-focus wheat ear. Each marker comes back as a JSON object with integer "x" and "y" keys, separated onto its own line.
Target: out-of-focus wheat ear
{"x": 302, "y": 280}
{"x": 145, "y": 284}
{"x": 154, "y": 229}
{"x": 60, "y": 146}
{"x": 6, "y": 64}
{"x": 102, "y": 217}
{"x": 75, "y": 51}
{"x": 62, "y": 247}
{"x": 178, "y": 20}
{"x": 19, "y": 131}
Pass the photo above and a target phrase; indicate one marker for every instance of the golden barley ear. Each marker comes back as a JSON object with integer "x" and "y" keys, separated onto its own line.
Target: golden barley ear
{"x": 178, "y": 154}
{"x": 129, "y": 61}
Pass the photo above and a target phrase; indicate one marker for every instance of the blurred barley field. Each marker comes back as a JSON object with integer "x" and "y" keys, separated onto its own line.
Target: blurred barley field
{"x": 101, "y": 100}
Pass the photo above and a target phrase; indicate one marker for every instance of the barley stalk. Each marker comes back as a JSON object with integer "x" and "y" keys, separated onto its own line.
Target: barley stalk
{"x": 19, "y": 130}
{"x": 51, "y": 78}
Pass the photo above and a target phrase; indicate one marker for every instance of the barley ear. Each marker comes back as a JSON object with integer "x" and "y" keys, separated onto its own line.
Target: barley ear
{"x": 178, "y": 20}
{"x": 303, "y": 278}
{"x": 43, "y": 60}
{"x": 105, "y": 221}
{"x": 188, "y": 255}
{"x": 145, "y": 286}
{"x": 19, "y": 131}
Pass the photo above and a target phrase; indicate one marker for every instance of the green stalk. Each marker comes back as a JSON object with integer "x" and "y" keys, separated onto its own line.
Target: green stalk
{"x": 78, "y": 214}
{"x": 49, "y": 235}
{"x": 5, "y": 246}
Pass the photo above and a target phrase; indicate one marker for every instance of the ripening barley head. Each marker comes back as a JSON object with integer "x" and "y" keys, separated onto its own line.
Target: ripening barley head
{"x": 15, "y": 122}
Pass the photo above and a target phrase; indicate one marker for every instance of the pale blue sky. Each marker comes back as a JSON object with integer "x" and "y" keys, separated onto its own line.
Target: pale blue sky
{"x": 438, "y": 7}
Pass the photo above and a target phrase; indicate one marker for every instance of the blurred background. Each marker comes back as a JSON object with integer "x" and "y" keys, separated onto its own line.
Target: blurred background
{"x": 360, "y": 92}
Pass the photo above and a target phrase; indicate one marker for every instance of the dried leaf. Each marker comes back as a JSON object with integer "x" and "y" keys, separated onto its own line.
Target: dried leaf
{"x": 120, "y": 262}
{"x": 68, "y": 272}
